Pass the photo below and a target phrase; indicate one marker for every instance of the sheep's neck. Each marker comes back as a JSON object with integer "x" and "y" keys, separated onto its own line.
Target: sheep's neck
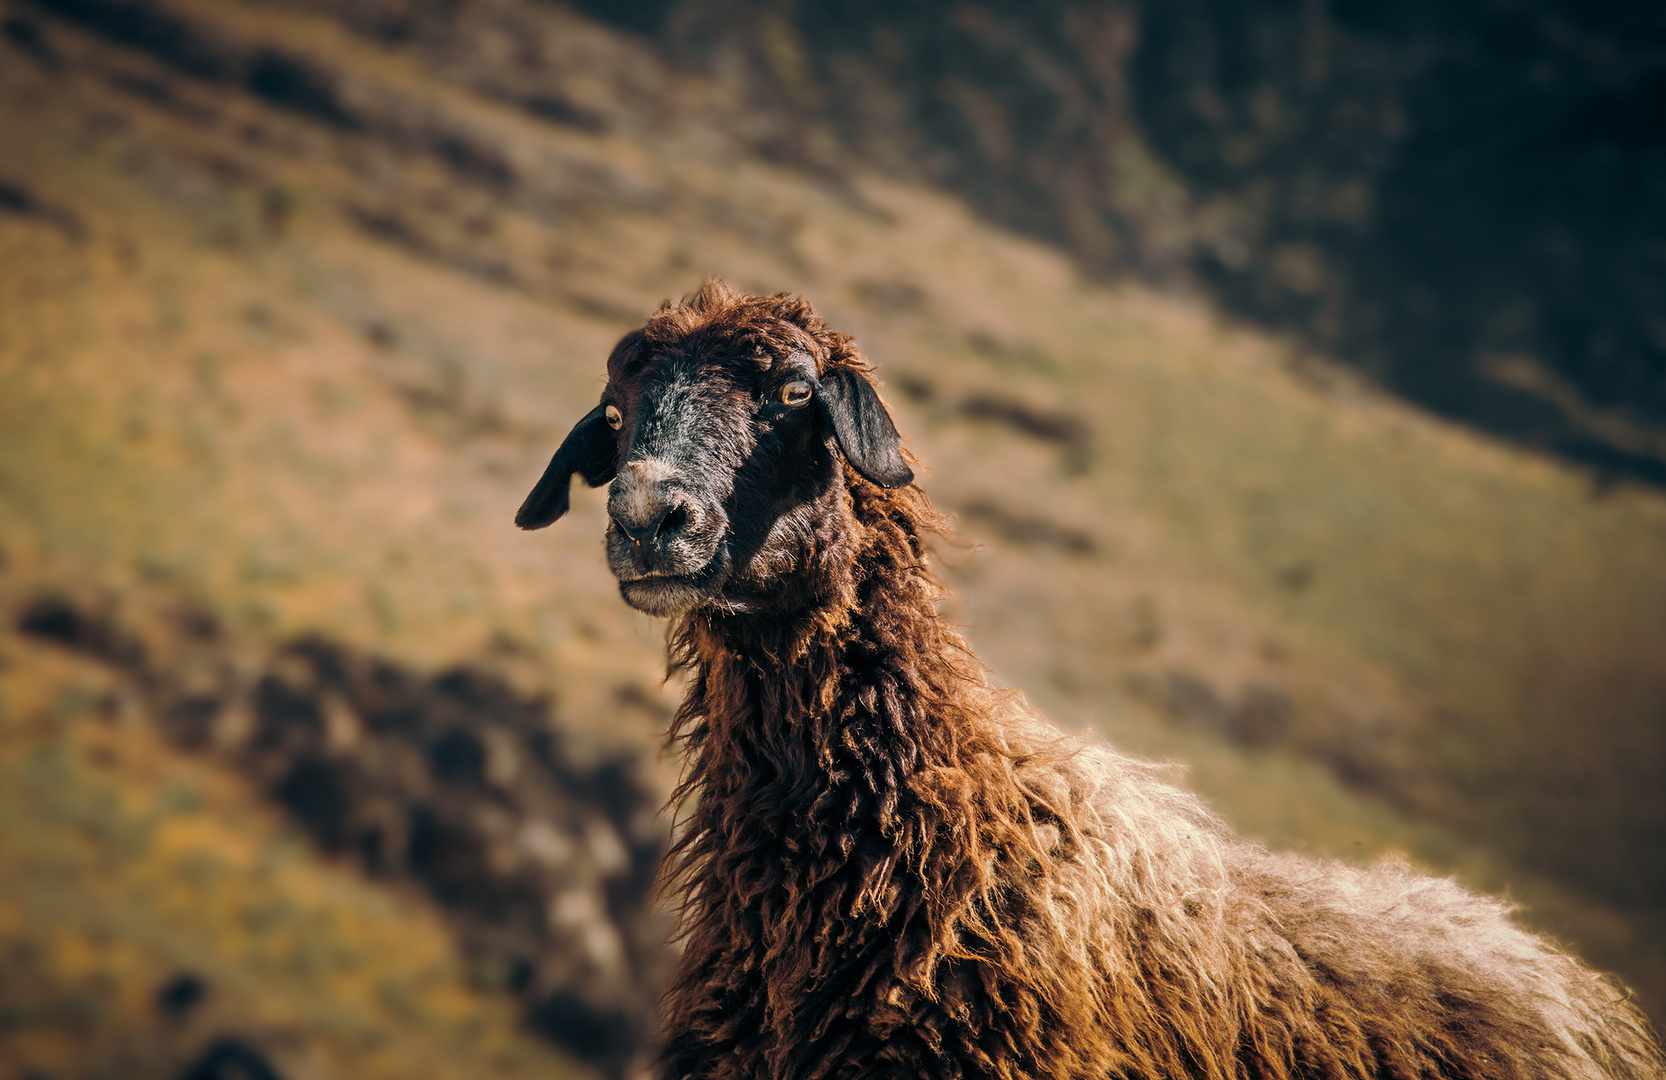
{"x": 817, "y": 726}
{"x": 830, "y": 758}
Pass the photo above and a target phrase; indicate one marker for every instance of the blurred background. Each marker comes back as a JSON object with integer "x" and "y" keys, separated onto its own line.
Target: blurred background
{"x": 1295, "y": 373}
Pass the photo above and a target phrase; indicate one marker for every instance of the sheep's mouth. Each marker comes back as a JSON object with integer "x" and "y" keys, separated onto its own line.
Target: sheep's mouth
{"x": 674, "y": 594}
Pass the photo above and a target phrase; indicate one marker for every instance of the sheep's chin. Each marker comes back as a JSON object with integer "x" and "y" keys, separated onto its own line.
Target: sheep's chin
{"x": 664, "y": 595}
{"x": 675, "y": 594}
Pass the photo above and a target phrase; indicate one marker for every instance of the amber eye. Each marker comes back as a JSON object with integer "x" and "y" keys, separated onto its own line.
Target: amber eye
{"x": 796, "y": 393}
{"x": 614, "y": 418}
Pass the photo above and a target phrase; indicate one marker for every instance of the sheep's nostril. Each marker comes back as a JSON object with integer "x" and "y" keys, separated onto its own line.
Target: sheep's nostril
{"x": 633, "y": 535}
{"x": 673, "y": 522}
{"x": 666, "y": 523}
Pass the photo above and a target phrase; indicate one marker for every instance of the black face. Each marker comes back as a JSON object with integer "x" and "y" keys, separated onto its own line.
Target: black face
{"x": 720, "y": 467}
{"x": 727, "y": 487}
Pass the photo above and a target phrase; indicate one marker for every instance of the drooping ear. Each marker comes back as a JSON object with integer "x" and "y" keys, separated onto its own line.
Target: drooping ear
{"x": 590, "y": 450}
{"x": 863, "y": 428}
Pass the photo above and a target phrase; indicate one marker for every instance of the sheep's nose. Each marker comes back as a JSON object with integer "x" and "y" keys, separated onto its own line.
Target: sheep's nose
{"x": 651, "y": 518}
{"x": 647, "y": 504}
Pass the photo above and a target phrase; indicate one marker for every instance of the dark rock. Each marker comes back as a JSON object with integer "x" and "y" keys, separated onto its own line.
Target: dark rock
{"x": 405, "y": 785}
{"x": 180, "y": 996}
{"x": 561, "y": 111}
{"x": 1067, "y": 431}
{"x": 197, "y": 624}
{"x": 318, "y": 793}
{"x": 1297, "y": 577}
{"x": 19, "y": 200}
{"x": 1191, "y": 700}
{"x": 27, "y": 36}
{"x": 392, "y": 228}
{"x": 474, "y": 160}
{"x": 189, "y": 722}
{"x": 646, "y": 17}
{"x": 143, "y": 26}
{"x": 1261, "y": 717}
{"x": 604, "y": 1038}
{"x": 286, "y": 718}
{"x": 458, "y": 757}
{"x": 292, "y": 83}
{"x": 230, "y": 1059}
{"x": 1029, "y": 530}
{"x": 85, "y": 631}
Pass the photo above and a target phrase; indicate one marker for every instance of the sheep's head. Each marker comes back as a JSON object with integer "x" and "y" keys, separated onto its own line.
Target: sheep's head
{"x": 722, "y": 429}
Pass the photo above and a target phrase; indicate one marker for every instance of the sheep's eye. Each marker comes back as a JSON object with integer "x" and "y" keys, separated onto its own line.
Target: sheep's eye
{"x": 614, "y": 417}
{"x": 796, "y": 393}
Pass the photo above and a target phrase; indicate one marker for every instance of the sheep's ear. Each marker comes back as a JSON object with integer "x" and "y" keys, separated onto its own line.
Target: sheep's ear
{"x": 866, "y": 435}
{"x": 590, "y": 449}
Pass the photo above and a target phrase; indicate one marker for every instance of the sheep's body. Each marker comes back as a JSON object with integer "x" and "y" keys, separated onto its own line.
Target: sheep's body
{"x": 887, "y": 868}
{"x": 1001, "y": 902}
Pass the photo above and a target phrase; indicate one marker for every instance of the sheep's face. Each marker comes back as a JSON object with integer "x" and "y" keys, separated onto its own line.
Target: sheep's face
{"x": 727, "y": 485}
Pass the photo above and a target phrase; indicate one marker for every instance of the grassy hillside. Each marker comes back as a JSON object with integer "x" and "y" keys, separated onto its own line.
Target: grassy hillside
{"x": 287, "y": 336}
{"x": 155, "y": 904}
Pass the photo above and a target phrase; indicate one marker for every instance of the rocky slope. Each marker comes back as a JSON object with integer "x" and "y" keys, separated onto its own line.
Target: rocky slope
{"x": 1463, "y": 201}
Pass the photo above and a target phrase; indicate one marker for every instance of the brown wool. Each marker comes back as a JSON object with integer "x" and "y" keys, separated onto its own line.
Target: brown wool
{"x": 885, "y": 867}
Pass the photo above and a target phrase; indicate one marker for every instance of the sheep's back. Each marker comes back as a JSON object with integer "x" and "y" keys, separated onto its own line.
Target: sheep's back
{"x": 1429, "y": 978}
{"x": 1208, "y": 952}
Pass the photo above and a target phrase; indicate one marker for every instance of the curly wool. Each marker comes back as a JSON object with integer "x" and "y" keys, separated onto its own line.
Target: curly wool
{"x": 885, "y": 867}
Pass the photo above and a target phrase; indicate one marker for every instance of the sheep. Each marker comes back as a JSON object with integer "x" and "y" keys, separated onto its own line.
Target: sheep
{"x": 886, "y": 867}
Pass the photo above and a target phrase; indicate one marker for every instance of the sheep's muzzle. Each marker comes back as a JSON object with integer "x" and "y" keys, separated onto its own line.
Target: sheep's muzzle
{"x": 664, "y": 538}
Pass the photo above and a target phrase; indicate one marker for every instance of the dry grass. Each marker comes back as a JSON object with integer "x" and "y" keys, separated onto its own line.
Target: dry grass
{"x": 127, "y": 864}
